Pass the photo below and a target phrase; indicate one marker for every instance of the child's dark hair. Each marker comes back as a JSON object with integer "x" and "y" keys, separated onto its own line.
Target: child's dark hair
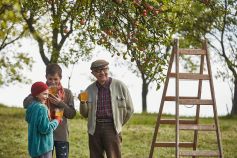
{"x": 53, "y": 69}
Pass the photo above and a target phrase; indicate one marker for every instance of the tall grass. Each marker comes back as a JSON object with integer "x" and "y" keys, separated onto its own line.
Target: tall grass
{"x": 137, "y": 136}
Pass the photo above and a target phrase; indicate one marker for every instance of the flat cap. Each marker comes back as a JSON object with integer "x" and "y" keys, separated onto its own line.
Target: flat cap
{"x": 99, "y": 63}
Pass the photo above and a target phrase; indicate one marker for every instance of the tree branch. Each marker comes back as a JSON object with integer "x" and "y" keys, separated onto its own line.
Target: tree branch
{"x": 4, "y": 43}
{"x": 228, "y": 62}
{"x": 36, "y": 36}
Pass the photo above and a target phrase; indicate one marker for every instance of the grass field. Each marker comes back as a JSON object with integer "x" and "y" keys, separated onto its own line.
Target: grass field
{"x": 137, "y": 136}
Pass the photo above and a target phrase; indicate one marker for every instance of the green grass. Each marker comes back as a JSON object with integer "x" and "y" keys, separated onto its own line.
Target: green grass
{"x": 137, "y": 136}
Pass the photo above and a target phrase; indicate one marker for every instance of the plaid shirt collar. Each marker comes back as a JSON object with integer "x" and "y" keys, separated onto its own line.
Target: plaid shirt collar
{"x": 106, "y": 85}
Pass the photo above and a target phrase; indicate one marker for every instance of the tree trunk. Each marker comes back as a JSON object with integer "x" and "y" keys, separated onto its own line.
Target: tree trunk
{"x": 144, "y": 95}
{"x": 234, "y": 102}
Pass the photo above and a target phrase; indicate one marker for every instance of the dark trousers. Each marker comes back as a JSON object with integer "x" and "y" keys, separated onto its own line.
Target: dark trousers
{"x": 61, "y": 149}
{"x": 105, "y": 141}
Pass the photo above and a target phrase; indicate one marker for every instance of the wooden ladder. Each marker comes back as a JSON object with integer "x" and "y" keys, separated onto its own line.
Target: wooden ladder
{"x": 188, "y": 124}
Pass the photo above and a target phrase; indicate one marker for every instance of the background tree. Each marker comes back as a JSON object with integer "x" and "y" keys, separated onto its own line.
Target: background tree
{"x": 225, "y": 34}
{"x": 58, "y": 27}
{"x": 220, "y": 30}
{"x": 12, "y": 62}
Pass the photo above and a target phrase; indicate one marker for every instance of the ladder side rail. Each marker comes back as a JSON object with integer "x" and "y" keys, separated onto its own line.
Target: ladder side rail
{"x": 195, "y": 142}
{"x": 218, "y": 133}
{"x": 177, "y": 98}
{"x": 161, "y": 105}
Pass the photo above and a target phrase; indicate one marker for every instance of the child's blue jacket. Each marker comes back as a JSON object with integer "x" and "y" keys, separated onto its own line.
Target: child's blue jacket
{"x": 40, "y": 129}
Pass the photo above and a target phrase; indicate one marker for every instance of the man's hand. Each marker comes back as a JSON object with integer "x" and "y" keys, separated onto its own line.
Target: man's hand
{"x": 54, "y": 99}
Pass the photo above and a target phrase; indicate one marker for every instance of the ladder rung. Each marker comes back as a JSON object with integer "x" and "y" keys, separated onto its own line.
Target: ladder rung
{"x": 173, "y": 98}
{"x": 200, "y": 153}
{"x": 192, "y": 51}
{"x": 191, "y": 76}
{"x": 195, "y": 101}
{"x": 173, "y": 144}
{"x": 173, "y": 121}
{"x": 198, "y": 127}
{"x": 190, "y": 100}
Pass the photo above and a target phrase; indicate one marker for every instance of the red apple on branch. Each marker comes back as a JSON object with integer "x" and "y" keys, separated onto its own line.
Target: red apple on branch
{"x": 144, "y": 13}
{"x": 136, "y": 2}
{"x": 82, "y": 21}
{"x": 65, "y": 30}
{"x": 149, "y": 7}
{"x": 109, "y": 32}
{"x": 156, "y": 12}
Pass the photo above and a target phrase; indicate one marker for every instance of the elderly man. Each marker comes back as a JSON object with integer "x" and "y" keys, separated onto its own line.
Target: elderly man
{"x": 108, "y": 107}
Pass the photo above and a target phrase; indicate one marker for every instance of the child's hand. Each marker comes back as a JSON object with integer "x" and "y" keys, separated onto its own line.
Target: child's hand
{"x": 59, "y": 119}
{"x": 52, "y": 114}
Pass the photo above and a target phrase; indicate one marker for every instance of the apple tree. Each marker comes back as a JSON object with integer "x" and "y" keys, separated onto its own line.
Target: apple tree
{"x": 58, "y": 27}
{"x": 12, "y": 62}
{"x": 142, "y": 32}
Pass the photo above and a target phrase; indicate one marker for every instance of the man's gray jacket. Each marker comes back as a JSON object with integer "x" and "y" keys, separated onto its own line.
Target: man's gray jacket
{"x": 121, "y": 102}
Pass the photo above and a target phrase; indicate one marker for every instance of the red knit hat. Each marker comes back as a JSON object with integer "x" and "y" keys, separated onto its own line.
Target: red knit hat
{"x": 37, "y": 88}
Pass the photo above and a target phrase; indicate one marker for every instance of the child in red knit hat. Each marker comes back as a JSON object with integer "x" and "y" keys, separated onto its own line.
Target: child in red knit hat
{"x": 61, "y": 99}
{"x": 40, "y": 128}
